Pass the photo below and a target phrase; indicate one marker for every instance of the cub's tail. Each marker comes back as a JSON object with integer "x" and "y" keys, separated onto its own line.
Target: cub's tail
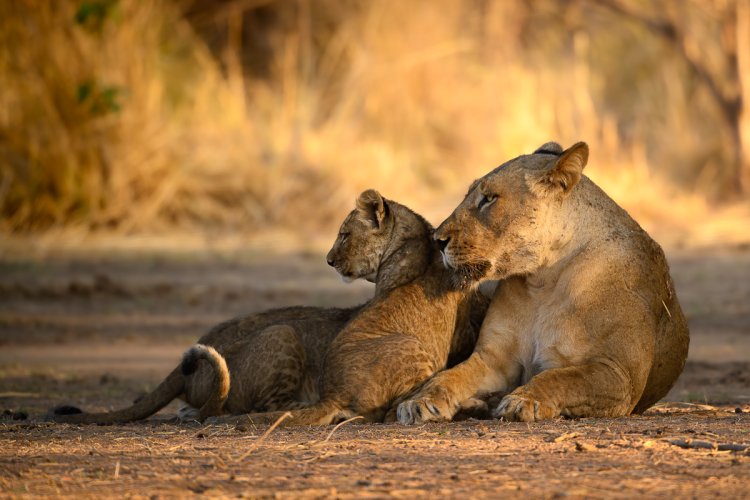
{"x": 170, "y": 388}
{"x": 220, "y": 391}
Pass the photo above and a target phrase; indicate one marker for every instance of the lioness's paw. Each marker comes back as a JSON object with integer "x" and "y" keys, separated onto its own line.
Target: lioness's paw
{"x": 519, "y": 408}
{"x": 418, "y": 411}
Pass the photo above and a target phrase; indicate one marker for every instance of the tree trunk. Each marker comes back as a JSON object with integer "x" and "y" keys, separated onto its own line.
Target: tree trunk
{"x": 743, "y": 66}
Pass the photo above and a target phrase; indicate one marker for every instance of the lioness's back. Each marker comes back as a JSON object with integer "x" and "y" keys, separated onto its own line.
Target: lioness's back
{"x": 644, "y": 260}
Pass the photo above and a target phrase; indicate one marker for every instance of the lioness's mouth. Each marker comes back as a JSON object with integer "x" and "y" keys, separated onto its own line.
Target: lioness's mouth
{"x": 466, "y": 275}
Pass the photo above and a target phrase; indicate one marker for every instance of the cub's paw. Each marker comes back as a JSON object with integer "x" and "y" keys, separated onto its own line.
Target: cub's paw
{"x": 419, "y": 411}
{"x": 473, "y": 408}
{"x": 390, "y": 416}
{"x": 187, "y": 413}
{"x": 522, "y": 408}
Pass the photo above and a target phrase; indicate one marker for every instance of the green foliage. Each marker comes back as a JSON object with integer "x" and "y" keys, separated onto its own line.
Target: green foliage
{"x": 92, "y": 14}
{"x": 99, "y": 99}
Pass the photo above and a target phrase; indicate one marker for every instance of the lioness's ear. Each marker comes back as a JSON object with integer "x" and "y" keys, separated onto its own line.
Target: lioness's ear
{"x": 567, "y": 170}
{"x": 549, "y": 148}
{"x": 373, "y": 207}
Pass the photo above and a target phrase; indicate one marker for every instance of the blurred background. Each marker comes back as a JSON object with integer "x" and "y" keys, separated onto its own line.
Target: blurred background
{"x": 255, "y": 116}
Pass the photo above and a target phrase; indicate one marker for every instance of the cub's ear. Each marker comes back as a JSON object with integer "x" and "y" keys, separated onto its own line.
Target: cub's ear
{"x": 566, "y": 172}
{"x": 549, "y": 148}
{"x": 372, "y": 207}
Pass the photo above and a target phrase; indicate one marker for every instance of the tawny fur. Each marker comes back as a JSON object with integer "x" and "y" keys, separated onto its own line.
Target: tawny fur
{"x": 189, "y": 365}
{"x": 275, "y": 358}
{"x": 586, "y": 322}
{"x": 400, "y": 338}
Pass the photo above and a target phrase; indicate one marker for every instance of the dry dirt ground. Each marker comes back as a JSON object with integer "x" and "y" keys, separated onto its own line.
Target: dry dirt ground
{"x": 99, "y": 328}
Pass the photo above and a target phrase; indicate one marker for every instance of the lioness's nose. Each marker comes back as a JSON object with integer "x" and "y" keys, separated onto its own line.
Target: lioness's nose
{"x": 443, "y": 242}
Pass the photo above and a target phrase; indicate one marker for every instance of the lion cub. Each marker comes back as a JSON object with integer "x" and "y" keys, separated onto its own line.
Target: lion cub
{"x": 404, "y": 335}
{"x": 272, "y": 360}
{"x": 261, "y": 362}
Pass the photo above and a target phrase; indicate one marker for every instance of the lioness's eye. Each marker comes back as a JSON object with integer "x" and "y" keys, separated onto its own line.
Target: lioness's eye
{"x": 486, "y": 200}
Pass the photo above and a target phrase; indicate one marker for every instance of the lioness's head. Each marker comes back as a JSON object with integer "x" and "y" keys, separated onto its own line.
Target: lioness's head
{"x": 503, "y": 225}
{"x": 362, "y": 238}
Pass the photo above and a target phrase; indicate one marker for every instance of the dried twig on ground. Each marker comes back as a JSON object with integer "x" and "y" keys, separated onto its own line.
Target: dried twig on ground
{"x": 264, "y": 436}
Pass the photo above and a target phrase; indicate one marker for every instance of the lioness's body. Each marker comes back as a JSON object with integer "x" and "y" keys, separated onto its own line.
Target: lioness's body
{"x": 586, "y": 321}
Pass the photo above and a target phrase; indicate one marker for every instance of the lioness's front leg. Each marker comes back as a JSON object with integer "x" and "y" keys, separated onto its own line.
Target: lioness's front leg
{"x": 440, "y": 397}
{"x": 597, "y": 389}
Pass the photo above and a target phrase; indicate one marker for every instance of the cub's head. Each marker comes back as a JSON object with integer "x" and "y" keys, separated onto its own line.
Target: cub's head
{"x": 363, "y": 238}
{"x": 504, "y": 225}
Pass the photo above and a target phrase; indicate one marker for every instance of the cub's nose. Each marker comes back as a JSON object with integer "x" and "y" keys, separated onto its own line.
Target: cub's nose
{"x": 329, "y": 260}
{"x": 443, "y": 242}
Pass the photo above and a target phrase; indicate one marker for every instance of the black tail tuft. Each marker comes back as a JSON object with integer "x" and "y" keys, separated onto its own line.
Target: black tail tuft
{"x": 190, "y": 361}
{"x": 66, "y": 410}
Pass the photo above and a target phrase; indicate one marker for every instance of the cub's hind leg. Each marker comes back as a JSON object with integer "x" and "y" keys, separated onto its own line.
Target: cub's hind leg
{"x": 268, "y": 372}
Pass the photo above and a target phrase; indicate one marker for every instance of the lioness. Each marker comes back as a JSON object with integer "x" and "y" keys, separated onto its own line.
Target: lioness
{"x": 272, "y": 360}
{"x": 400, "y": 338}
{"x": 586, "y": 321}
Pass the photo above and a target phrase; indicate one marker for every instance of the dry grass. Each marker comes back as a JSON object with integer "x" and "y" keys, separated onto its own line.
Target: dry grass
{"x": 121, "y": 119}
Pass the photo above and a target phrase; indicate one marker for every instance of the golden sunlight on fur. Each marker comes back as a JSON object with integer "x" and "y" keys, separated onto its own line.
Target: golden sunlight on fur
{"x": 585, "y": 323}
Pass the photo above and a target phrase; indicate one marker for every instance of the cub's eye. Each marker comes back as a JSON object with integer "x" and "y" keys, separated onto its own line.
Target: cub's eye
{"x": 343, "y": 237}
{"x": 486, "y": 200}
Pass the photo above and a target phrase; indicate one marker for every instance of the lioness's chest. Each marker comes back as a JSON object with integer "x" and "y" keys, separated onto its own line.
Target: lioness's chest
{"x": 540, "y": 326}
